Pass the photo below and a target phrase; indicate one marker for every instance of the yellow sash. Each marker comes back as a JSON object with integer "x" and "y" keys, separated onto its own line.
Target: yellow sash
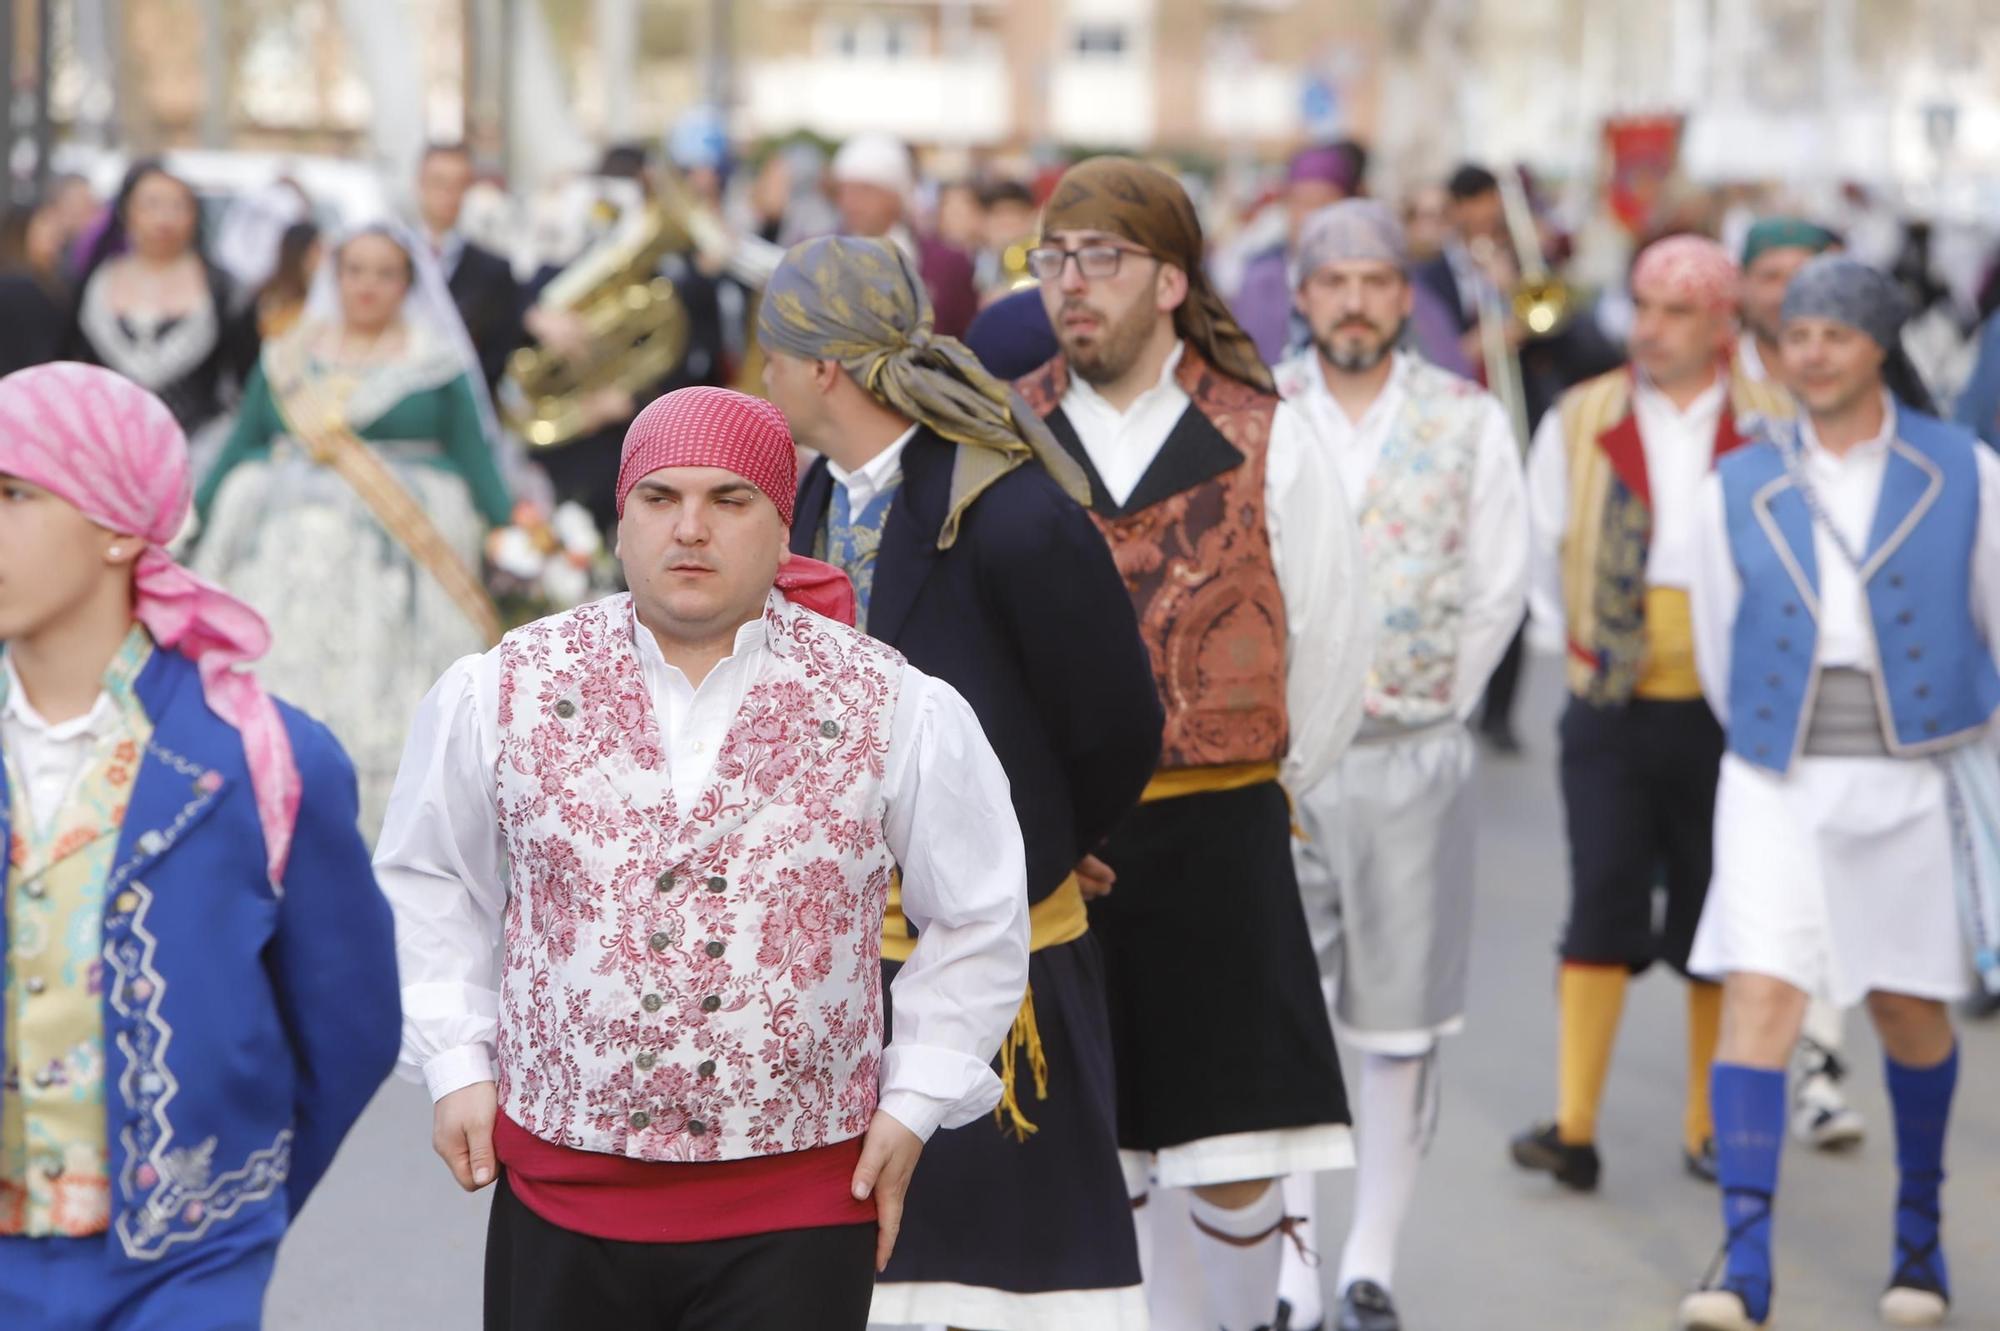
{"x": 320, "y": 423}
{"x": 1207, "y": 780}
{"x": 1666, "y": 673}
{"x": 1057, "y": 918}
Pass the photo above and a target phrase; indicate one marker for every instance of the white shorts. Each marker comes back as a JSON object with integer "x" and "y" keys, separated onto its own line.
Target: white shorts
{"x": 1386, "y": 876}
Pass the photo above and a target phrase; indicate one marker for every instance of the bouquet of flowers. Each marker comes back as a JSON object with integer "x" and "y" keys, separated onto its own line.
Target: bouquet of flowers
{"x": 542, "y": 564}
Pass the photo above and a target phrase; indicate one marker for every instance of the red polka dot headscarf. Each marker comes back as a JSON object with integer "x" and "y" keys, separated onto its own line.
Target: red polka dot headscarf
{"x": 713, "y": 427}
{"x": 1692, "y": 266}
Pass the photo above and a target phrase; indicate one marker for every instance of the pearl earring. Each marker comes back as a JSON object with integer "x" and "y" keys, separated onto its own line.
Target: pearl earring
{"x": 116, "y": 551}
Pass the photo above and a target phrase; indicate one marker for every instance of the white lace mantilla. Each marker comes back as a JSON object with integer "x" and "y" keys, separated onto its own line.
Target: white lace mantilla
{"x": 146, "y": 349}
{"x": 428, "y": 362}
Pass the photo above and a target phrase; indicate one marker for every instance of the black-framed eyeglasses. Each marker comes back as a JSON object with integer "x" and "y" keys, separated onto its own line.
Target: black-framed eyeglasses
{"x": 1046, "y": 262}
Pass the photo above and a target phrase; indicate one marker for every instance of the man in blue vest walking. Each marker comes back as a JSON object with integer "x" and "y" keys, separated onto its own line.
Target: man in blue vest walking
{"x": 1844, "y": 605}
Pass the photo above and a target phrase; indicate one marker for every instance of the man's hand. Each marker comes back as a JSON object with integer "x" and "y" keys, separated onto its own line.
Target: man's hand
{"x": 608, "y": 406}
{"x": 561, "y": 331}
{"x": 888, "y": 1158}
{"x": 1095, "y": 877}
{"x": 462, "y": 1133}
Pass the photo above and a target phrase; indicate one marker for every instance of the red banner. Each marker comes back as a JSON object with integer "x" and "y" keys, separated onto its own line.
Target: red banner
{"x": 1644, "y": 151}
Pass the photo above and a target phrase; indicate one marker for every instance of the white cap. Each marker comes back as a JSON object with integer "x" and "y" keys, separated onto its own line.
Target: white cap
{"x": 875, "y": 159}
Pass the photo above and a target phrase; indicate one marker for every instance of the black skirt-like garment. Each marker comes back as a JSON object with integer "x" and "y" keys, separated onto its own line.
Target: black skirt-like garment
{"x": 1218, "y": 1025}
{"x": 1041, "y": 1216}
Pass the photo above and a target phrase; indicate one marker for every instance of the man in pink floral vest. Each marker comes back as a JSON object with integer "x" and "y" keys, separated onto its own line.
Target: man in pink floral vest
{"x": 679, "y": 815}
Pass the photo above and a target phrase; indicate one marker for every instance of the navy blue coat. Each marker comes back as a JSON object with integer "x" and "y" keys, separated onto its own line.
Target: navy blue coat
{"x": 246, "y": 1026}
{"x": 1027, "y": 618}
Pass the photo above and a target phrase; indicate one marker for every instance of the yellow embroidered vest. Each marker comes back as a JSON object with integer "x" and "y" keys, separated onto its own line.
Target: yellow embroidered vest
{"x": 54, "y": 1172}
{"x": 1626, "y": 639}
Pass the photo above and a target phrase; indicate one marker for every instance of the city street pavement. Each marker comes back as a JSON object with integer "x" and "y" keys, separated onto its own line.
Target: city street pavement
{"x": 389, "y": 1242}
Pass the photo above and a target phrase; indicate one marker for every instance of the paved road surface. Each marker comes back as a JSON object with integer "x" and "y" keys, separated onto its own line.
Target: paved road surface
{"x": 389, "y": 1242}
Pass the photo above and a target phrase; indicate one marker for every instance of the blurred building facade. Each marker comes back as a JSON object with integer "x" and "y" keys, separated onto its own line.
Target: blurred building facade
{"x": 1902, "y": 91}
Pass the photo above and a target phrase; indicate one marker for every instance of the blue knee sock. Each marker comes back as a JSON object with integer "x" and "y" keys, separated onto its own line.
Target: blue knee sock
{"x": 1749, "y": 1128}
{"x": 1921, "y": 1098}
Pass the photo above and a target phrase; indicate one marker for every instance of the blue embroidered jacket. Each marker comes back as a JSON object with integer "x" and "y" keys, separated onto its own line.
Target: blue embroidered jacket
{"x": 246, "y": 1023}
{"x": 1936, "y": 680}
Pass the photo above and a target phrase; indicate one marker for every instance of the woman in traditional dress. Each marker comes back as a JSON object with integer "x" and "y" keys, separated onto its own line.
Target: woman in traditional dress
{"x": 353, "y": 498}
{"x": 152, "y": 307}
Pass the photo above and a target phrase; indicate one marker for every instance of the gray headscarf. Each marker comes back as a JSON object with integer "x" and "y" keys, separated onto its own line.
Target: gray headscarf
{"x": 1351, "y": 231}
{"x": 862, "y": 302}
{"x": 1833, "y": 286}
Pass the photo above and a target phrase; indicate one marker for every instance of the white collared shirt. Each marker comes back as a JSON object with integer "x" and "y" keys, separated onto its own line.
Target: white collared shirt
{"x": 1122, "y": 444}
{"x": 1749, "y": 360}
{"x": 1496, "y": 553}
{"x": 50, "y": 756}
{"x": 1849, "y": 489}
{"x": 698, "y": 716}
{"x": 880, "y": 473}
{"x": 949, "y": 821}
{"x": 1679, "y": 447}
{"x": 1315, "y": 551}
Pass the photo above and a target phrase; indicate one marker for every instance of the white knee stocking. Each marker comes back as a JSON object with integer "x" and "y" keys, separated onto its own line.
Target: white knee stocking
{"x": 1395, "y": 1113}
{"x": 1238, "y": 1252}
{"x": 1298, "y": 1275}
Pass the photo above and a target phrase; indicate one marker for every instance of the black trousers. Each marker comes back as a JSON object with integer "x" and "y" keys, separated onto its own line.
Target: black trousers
{"x": 541, "y": 1277}
{"x": 1638, "y": 786}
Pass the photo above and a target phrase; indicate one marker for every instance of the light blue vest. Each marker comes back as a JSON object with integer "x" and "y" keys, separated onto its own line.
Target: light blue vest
{"x": 1937, "y": 678}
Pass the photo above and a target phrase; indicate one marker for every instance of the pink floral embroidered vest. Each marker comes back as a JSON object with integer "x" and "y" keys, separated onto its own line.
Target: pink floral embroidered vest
{"x": 700, "y": 984}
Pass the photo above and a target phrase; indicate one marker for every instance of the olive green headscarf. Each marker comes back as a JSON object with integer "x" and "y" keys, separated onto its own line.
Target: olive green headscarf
{"x": 862, "y": 303}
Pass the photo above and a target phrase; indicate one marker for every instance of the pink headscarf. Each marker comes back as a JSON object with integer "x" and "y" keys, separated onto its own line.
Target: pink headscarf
{"x": 713, "y": 427}
{"x": 1688, "y": 265}
{"x": 113, "y": 451}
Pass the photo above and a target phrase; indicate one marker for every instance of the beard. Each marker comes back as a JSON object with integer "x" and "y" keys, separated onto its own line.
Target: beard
{"x": 1351, "y": 351}
{"x": 1109, "y": 353}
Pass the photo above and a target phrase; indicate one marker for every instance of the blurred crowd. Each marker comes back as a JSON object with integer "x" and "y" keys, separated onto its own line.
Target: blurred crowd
{"x": 209, "y": 292}
{"x": 166, "y": 242}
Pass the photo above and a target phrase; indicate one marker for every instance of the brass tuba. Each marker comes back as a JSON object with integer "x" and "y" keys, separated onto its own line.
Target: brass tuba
{"x": 1014, "y": 274}
{"x": 635, "y": 325}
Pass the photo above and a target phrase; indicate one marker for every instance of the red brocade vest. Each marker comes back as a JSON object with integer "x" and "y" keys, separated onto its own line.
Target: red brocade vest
{"x": 699, "y": 984}
{"x": 1197, "y": 563}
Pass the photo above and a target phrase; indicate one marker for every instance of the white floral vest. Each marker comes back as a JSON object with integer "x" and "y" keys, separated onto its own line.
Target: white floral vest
{"x": 1414, "y": 519}
{"x": 698, "y": 985}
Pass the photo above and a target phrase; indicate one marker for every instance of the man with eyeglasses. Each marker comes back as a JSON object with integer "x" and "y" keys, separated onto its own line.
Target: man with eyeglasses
{"x": 1235, "y": 543}
{"x": 1386, "y": 865}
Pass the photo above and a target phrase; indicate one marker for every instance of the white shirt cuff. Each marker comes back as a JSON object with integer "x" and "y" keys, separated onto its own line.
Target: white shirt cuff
{"x": 920, "y": 1113}
{"x": 456, "y": 1069}
{"x": 959, "y": 1088}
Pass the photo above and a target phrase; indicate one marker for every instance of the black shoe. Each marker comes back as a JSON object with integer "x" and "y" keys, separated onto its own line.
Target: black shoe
{"x": 1366, "y": 1307}
{"x": 1500, "y": 738}
{"x": 1575, "y": 1167}
{"x": 1701, "y": 1164}
{"x": 1285, "y": 1322}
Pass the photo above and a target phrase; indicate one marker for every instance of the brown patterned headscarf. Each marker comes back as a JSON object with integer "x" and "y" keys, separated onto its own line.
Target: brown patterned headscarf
{"x": 1148, "y": 207}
